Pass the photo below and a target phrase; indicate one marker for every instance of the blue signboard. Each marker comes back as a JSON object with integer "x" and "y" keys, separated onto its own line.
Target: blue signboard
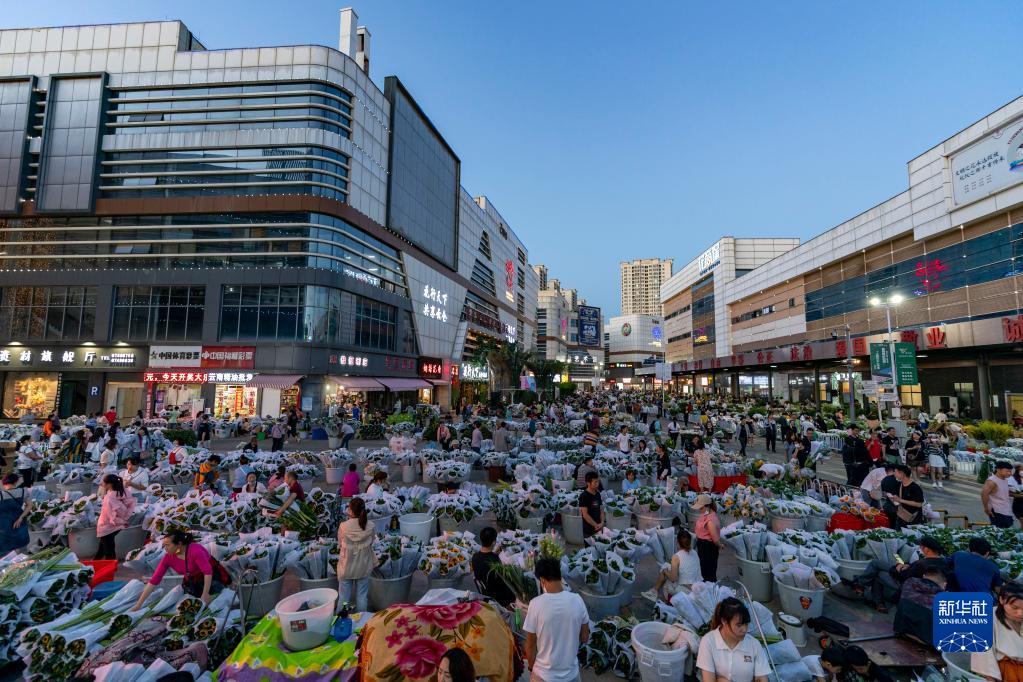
{"x": 589, "y": 326}
{"x": 963, "y": 621}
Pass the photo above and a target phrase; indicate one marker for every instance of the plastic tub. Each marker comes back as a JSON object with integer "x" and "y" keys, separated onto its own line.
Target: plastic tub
{"x": 417, "y": 526}
{"x": 103, "y": 570}
{"x": 408, "y": 473}
{"x": 128, "y": 540}
{"x": 104, "y": 590}
{"x": 530, "y": 523}
{"x": 446, "y": 524}
{"x": 83, "y": 542}
{"x": 444, "y": 583}
{"x": 318, "y": 583}
{"x": 803, "y": 604}
{"x": 648, "y": 521}
{"x": 258, "y": 599}
{"x": 816, "y": 523}
{"x": 310, "y": 627}
{"x": 385, "y": 592}
{"x": 618, "y": 522}
{"x": 757, "y": 577}
{"x": 382, "y": 524}
{"x": 572, "y": 528}
{"x": 781, "y": 523}
{"x": 600, "y": 606}
{"x": 851, "y": 569}
{"x": 654, "y": 662}
{"x": 334, "y": 475}
{"x": 959, "y": 666}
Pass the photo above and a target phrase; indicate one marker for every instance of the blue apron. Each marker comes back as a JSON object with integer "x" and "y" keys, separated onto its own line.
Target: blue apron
{"x": 10, "y": 510}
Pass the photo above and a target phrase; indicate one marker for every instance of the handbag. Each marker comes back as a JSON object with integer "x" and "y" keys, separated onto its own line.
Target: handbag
{"x": 903, "y": 513}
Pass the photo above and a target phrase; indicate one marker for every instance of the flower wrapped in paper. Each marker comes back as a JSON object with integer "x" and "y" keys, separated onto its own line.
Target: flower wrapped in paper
{"x": 397, "y": 556}
{"x": 449, "y": 555}
{"x": 461, "y": 505}
{"x": 448, "y": 471}
{"x": 605, "y": 575}
{"x": 630, "y": 544}
{"x": 747, "y": 540}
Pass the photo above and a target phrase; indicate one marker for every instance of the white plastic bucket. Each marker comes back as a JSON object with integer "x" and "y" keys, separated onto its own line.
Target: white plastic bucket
{"x": 816, "y": 523}
{"x": 408, "y": 473}
{"x": 382, "y": 524}
{"x": 385, "y": 592}
{"x": 654, "y": 662}
{"x": 600, "y": 606}
{"x": 417, "y": 526}
{"x": 83, "y": 542}
{"x": 572, "y": 528}
{"x": 530, "y": 523}
{"x": 757, "y": 577}
{"x": 317, "y": 583}
{"x": 567, "y": 485}
{"x": 804, "y": 604}
{"x": 851, "y": 569}
{"x": 648, "y": 521}
{"x": 447, "y": 524}
{"x": 445, "y": 583}
{"x": 258, "y": 599}
{"x": 794, "y": 629}
{"x": 781, "y": 523}
{"x": 309, "y": 628}
{"x": 959, "y": 666}
{"x": 618, "y": 522}
{"x": 333, "y": 475}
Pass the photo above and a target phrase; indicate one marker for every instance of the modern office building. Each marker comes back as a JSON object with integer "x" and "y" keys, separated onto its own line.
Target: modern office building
{"x": 567, "y": 329}
{"x": 245, "y": 229}
{"x": 634, "y": 342}
{"x": 943, "y": 260}
{"x": 641, "y": 285}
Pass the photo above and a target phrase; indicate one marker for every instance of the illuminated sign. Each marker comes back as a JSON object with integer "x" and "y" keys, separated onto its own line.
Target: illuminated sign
{"x": 626, "y": 329}
{"x": 349, "y": 360}
{"x": 509, "y": 273}
{"x": 656, "y": 333}
{"x": 438, "y": 309}
{"x": 151, "y": 377}
{"x": 208, "y": 357}
{"x": 928, "y": 274}
{"x": 471, "y": 372}
{"x": 431, "y": 368}
{"x": 709, "y": 258}
{"x": 69, "y": 358}
{"x": 510, "y": 332}
{"x": 362, "y": 276}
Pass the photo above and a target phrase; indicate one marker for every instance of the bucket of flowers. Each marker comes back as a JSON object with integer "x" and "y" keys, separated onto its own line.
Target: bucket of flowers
{"x": 391, "y": 581}
{"x": 407, "y": 460}
{"x": 455, "y": 510}
{"x": 382, "y": 508}
{"x": 447, "y": 559}
{"x": 495, "y": 463}
{"x": 617, "y": 512}
{"x": 448, "y": 471}
{"x": 315, "y": 563}
{"x": 600, "y": 580}
{"x": 562, "y": 476}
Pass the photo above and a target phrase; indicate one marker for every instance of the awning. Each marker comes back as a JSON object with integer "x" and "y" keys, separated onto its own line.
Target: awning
{"x": 358, "y": 383}
{"x": 396, "y": 384}
{"x": 439, "y": 382}
{"x": 281, "y": 381}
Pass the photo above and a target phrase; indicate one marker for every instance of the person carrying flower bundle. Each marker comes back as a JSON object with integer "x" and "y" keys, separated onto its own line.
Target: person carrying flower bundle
{"x": 115, "y": 512}
{"x": 202, "y": 575}
{"x": 295, "y": 492}
{"x": 356, "y": 559}
{"x": 14, "y": 509}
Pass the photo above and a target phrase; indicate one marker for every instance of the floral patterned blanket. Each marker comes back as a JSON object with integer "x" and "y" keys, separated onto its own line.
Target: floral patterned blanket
{"x": 407, "y": 641}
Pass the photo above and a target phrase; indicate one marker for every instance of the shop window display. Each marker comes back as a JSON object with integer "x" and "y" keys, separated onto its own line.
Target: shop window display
{"x": 232, "y": 400}
{"x": 24, "y": 393}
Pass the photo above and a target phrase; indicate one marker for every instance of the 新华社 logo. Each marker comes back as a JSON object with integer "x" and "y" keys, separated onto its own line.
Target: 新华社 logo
{"x": 963, "y": 622}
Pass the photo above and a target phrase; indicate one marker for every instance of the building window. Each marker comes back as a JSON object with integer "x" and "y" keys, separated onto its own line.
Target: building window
{"x": 374, "y": 324}
{"x": 160, "y": 313}
{"x": 263, "y": 312}
{"x": 520, "y": 304}
{"x": 48, "y": 313}
{"x": 910, "y": 396}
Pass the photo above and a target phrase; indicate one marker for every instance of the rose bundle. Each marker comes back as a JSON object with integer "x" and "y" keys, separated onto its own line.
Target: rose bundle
{"x": 630, "y": 544}
{"x": 603, "y": 575}
{"x": 515, "y": 545}
{"x": 744, "y": 503}
{"x": 449, "y": 555}
{"x": 73, "y": 473}
{"x": 413, "y": 498}
{"x": 747, "y": 539}
{"x": 448, "y": 471}
{"x": 693, "y": 610}
{"x": 81, "y": 513}
{"x": 382, "y": 506}
{"x": 314, "y": 560}
{"x": 614, "y": 506}
{"x": 560, "y": 472}
{"x": 300, "y": 516}
{"x": 796, "y": 574}
{"x": 397, "y": 556}
{"x": 259, "y": 557}
{"x": 462, "y": 505}
{"x": 406, "y": 458}
{"x": 494, "y": 459}
{"x": 609, "y": 648}
{"x": 647, "y": 500}
{"x": 788, "y": 509}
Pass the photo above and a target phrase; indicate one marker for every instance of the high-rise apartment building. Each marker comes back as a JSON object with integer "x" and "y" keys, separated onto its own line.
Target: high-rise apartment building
{"x": 567, "y": 328}
{"x": 641, "y": 285}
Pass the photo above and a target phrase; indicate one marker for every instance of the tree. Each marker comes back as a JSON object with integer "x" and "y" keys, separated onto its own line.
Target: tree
{"x": 504, "y": 361}
{"x": 545, "y": 370}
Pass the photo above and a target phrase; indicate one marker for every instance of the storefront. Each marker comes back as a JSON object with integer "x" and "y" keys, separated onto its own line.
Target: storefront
{"x": 235, "y": 399}
{"x": 68, "y": 380}
{"x": 473, "y": 383}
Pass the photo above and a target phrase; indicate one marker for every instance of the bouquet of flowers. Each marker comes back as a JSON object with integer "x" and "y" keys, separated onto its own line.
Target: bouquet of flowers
{"x": 801, "y": 576}
{"x": 314, "y": 560}
{"x": 397, "y": 556}
{"x": 494, "y": 459}
{"x": 449, "y": 555}
{"x": 259, "y": 557}
{"x": 448, "y": 471}
{"x": 603, "y": 575}
{"x": 747, "y": 539}
{"x": 787, "y": 509}
{"x": 300, "y": 516}
{"x": 413, "y": 498}
{"x": 566, "y": 500}
{"x": 609, "y": 648}
{"x": 630, "y": 544}
{"x": 648, "y": 500}
{"x": 693, "y": 610}
{"x": 560, "y": 472}
{"x": 516, "y": 546}
{"x": 335, "y": 459}
{"x": 406, "y": 458}
{"x": 73, "y": 473}
{"x": 527, "y": 499}
{"x": 377, "y": 456}
{"x": 856, "y": 507}
{"x": 614, "y": 506}
{"x": 82, "y": 513}
{"x": 462, "y": 505}
{"x": 744, "y": 503}
{"x": 382, "y": 506}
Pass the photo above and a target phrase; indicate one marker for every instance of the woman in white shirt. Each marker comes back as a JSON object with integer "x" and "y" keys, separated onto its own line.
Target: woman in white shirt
{"x": 1004, "y": 660}
{"x": 28, "y": 461}
{"x": 727, "y": 652}
{"x": 682, "y": 573}
{"x": 108, "y": 458}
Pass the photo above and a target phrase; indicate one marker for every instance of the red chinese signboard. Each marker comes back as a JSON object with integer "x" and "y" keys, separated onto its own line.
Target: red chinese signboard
{"x": 928, "y": 274}
{"x": 509, "y": 273}
{"x": 936, "y": 337}
{"x": 431, "y": 368}
{"x": 1012, "y": 329}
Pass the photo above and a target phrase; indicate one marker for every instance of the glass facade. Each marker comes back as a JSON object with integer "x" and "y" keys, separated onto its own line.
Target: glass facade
{"x": 423, "y": 191}
{"x": 306, "y": 313}
{"x": 987, "y": 258}
{"x": 266, "y": 240}
{"x": 232, "y": 107}
{"x": 703, "y": 316}
{"x": 314, "y": 171}
{"x": 47, "y": 313}
{"x": 158, "y": 313}
{"x": 70, "y": 144}
{"x": 15, "y": 101}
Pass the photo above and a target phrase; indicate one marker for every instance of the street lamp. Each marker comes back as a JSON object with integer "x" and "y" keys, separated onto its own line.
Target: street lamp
{"x": 891, "y": 302}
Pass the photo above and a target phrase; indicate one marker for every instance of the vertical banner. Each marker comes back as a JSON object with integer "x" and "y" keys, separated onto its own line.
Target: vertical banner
{"x": 589, "y": 326}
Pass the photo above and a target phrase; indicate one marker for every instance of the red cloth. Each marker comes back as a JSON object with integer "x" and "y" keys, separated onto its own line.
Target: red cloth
{"x": 721, "y": 483}
{"x": 843, "y": 521}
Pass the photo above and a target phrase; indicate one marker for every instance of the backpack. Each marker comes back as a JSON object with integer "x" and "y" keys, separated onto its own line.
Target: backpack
{"x": 277, "y": 431}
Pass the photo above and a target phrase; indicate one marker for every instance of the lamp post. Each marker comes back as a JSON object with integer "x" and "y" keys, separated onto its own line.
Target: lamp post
{"x": 849, "y": 372}
{"x": 891, "y": 302}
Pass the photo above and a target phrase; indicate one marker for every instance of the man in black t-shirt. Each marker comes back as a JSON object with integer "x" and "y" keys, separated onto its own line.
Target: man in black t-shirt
{"x": 590, "y": 507}
{"x": 482, "y": 562}
{"x": 891, "y": 447}
{"x": 909, "y": 499}
{"x": 803, "y": 452}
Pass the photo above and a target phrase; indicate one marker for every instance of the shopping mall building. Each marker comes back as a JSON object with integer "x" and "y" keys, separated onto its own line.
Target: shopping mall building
{"x": 944, "y": 253}
{"x": 245, "y": 230}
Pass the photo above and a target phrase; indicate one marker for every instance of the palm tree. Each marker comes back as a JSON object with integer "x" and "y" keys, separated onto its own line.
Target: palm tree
{"x": 503, "y": 360}
{"x": 545, "y": 370}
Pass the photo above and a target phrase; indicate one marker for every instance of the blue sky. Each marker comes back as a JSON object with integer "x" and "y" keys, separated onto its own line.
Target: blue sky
{"x": 610, "y": 131}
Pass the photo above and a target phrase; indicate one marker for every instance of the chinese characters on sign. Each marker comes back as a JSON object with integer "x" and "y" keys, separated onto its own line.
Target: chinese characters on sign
{"x": 962, "y": 622}
{"x": 509, "y": 273}
{"x": 709, "y": 258}
{"x": 67, "y": 359}
{"x": 928, "y": 274}
{"x": 197, "y": 377}
{"x": 396, "y": 363}
{"x": 471, "y": 372}
{"x": 437, "y": 310}
{"x": 431, "y": 368}
{"x": 349, "y": 360}
{"x": 208, "y": 357}
{"x": 988, "y": 165}
{"x": 1012, "y": 329}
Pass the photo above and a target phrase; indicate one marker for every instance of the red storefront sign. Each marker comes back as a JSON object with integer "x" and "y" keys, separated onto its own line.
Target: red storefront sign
{"x": 936, "y": 337}
{"x": 431, "y": 368}
{"x": 1012, "y": 329}
{"x": 228, "y": 357}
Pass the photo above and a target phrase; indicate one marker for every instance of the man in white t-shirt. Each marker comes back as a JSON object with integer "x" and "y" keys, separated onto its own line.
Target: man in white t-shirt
{"x": 623, "y": 440}
{"x": 870, "y": 489}
{"x": 556, "y": 624}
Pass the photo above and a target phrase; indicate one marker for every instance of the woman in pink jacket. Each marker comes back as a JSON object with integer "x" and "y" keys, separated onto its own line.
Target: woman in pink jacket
{"x": 114, "y": 515}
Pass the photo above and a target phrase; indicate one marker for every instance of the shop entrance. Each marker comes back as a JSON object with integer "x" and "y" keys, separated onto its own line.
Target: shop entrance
{"x": 126, "y": 397}
{"x": 73, "y": 397}
{"x": 231, "y": 400}
{"x": 28, "y": 392}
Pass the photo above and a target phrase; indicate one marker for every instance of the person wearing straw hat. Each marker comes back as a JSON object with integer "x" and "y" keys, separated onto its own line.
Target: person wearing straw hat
{"x": 708, "y": 537}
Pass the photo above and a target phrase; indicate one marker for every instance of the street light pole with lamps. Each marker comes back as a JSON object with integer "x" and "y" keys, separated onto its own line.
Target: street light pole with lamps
{"x": 892, "y": 301}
